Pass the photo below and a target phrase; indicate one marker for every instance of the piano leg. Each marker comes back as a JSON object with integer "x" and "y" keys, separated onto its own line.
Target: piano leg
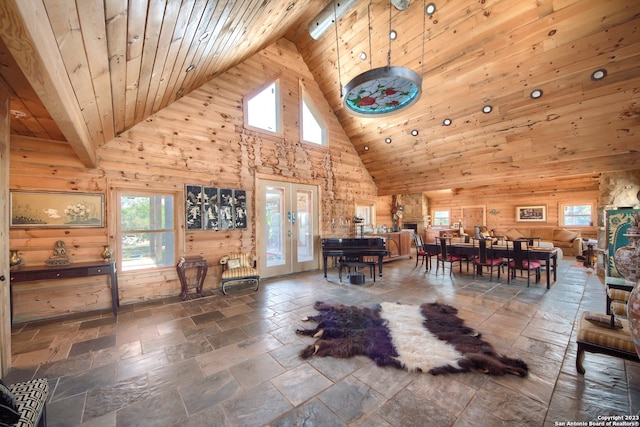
{"x": 324, "y": 262}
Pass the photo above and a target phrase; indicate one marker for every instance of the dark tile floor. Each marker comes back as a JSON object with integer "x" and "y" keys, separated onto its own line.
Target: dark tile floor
{"x": 233, "y": 360}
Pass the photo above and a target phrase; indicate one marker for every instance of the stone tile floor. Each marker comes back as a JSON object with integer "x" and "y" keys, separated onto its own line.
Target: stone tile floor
{"x": 233, "y": 360}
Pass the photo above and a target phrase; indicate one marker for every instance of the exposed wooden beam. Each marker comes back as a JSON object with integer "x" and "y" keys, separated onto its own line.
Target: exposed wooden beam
{"x": 25, "y": 29}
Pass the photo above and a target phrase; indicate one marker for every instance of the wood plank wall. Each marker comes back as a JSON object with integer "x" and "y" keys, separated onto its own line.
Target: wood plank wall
{"x": 505, "y": 201}
{"x": 200, "y": 139}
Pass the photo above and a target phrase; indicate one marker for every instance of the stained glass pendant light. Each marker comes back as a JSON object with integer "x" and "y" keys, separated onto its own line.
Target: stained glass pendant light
{"x": 382, "y": 91}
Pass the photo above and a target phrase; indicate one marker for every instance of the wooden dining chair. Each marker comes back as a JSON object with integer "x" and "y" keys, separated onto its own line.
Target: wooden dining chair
{"x": 421, "y": 252}
{"x": 486, "y": 258}
{"x": 445, "y": 256}
{"x": 519, "y": 260}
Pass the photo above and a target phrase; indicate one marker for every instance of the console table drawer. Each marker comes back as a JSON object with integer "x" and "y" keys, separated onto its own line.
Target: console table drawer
{"x": 95, "y": 271}
{"x": 48, "y": 275}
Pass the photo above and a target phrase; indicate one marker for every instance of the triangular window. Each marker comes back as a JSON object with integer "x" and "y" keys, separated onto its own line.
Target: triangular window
{"x": 263, "y": 109}
{"x": 313, "y": 127}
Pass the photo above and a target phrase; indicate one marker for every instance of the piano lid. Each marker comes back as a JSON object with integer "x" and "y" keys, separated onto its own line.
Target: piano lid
{"x": 364, "y": 242}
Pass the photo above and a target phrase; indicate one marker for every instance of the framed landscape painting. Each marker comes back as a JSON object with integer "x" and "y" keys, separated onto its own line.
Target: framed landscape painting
{"x": 531, "y": 213}
{"x": 31, "y": 209}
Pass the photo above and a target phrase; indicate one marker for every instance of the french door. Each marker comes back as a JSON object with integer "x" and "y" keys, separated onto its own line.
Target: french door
{"x": 287, "y": 228}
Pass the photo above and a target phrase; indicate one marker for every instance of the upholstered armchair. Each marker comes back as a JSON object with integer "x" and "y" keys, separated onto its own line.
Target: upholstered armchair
{"x": 239, "y": 267}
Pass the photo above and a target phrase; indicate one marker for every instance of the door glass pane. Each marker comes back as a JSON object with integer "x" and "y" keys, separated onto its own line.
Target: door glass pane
{"x": 304, "y": 206}
{"x": 275, "y": 226}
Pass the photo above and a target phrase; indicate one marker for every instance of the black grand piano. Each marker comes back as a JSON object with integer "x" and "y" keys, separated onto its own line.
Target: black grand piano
{"x": 352, "y": 249}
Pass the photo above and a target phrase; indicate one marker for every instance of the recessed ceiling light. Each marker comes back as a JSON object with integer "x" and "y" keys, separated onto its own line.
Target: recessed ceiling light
{"x": 18, "y": 114}
{"x": 363, "y": 56}
{"x": 536, "y": 93}
{"x": 393, "y": 35}
{"x": 487, "y": 109}
{"x": 599, "y": 74}
{"x": 387, "y": 140}
{"x": 415, "y": 132}
{"x": 366, "y": 148}
{"x": 190, "y": 67}
{"x": 290, "y": 6}
{"x": 204, "y": 36}
{"x": 179, "y": 92}
{"x": 430, "y": 9}
{"x": 446, "y": 122}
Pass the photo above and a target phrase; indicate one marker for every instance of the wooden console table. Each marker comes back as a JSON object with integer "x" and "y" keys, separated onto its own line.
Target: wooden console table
{"x": 21, "y": 273}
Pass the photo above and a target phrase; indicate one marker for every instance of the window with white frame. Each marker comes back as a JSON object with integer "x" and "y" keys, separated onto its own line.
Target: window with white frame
{"x": 262, "y": 110}
{"x": 313, "y": 127}
{"x": 441, "y": 218}
{"x": 146, "y": 230}
{"x": 577, "y": 215}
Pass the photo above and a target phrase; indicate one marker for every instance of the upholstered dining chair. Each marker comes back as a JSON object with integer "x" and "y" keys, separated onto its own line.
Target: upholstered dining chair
{"x": 445, "y": 256}
{"x": 486, "y": 258}
{"x": 519, "y": 260}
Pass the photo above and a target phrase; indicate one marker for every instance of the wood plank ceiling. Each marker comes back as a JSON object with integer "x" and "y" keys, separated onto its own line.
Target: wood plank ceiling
{"x": 86, "y": 70}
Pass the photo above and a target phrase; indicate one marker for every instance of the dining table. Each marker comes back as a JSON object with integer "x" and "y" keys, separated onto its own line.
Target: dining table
{"x": 548, "y": 255}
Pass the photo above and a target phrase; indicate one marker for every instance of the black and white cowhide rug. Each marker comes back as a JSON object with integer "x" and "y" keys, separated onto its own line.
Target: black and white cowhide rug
{"x": 426, "y": 338}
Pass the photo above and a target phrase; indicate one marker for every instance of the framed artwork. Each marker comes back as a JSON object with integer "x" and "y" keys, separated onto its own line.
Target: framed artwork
{"x": 531, "y": 213}
{"x": 240, "y": 208}
{"x": 193, "y": 206}
{"x": 35, "y": 209}
{"x": 213, "y": 208}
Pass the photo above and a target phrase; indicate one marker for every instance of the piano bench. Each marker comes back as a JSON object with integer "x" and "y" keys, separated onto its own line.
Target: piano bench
{"x": 355, "y": 265}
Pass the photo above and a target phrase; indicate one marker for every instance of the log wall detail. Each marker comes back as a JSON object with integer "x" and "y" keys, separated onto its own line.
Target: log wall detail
{"x": 199, "y": 139}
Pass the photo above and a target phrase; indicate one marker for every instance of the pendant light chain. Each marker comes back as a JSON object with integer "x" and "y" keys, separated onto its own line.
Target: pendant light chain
{"x": 389, "y": 35}
{"x": 335, "y": 24}
{"x": 424, "y": 30}
{"x": 370, "y": 50}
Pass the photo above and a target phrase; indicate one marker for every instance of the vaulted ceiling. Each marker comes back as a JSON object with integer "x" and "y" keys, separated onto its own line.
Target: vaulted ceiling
{"x": 85, "y": 71}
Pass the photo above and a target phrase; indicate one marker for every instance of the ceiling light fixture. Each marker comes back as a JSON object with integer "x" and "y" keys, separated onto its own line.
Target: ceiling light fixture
{"x": 190, "y": 68}
{"x": 204, "y": 36}
{"x": 387, "y": 140}
{"x": 446, "y": 122}
{"x": 536, "y": 93}
{"x": 384, "y": 90}
{"x": 599, "y": 74}
{"x": 393, "y": 35}
{"x": 415, "y": 132}
{"x": 487, "y": 109}
{"x": 290, "y": 6}
{"x": 18, "y": 114}
{"x": 363, "y": 56}
{"x": 430, "y": 9}
{"x": 366, "y": 148}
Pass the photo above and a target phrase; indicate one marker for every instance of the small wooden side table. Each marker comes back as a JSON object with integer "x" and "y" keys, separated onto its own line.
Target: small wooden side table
{"x": 192, "y": 262}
